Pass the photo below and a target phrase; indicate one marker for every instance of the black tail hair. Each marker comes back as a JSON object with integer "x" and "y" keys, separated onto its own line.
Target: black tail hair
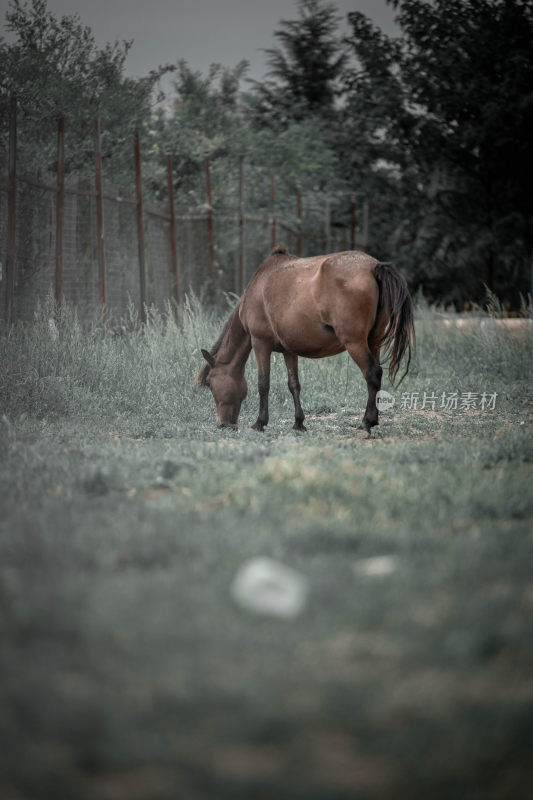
{"x": 394, "y": 297}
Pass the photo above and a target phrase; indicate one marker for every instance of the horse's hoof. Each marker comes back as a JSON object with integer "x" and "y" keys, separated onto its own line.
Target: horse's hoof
{"x": 362, "y": 433}
{"x": 258, "y": 426}
{"x": 300, "y": 427}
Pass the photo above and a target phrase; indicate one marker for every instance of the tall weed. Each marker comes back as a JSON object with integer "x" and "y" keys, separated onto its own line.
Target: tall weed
{"x": 142, "y": 376}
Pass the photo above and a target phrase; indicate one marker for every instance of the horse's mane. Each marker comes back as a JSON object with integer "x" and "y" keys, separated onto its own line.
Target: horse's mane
{"x": 280, "y": 250}
{"x": 201, "y": 378}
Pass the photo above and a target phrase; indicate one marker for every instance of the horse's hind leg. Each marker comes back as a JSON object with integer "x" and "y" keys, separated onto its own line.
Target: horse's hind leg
{"x": 262, "y": 354}
{"x": 369, "y": 366}
{"x": 291, "y": 362}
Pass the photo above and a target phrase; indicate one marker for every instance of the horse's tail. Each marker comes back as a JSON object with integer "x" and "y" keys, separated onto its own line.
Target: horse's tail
{"x": 395, "y": 299}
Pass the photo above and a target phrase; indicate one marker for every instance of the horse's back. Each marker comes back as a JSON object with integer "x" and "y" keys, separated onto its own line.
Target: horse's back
{"x": 311, "y": 306}
{"x": 349, "y": 262}
{"x": 347, "y": 293}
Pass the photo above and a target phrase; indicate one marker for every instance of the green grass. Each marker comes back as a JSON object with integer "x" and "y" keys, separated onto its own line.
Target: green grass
{"x": 127, "y": 671}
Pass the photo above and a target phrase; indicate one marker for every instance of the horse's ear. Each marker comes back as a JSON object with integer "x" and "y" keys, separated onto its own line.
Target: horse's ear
{"x": 209, "y": 358}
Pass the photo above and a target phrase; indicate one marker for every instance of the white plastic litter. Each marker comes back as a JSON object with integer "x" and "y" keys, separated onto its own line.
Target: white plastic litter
{"x": 52, "y": 329}
{"x": 375, "y": 567}
{"x": 265, "y": 586}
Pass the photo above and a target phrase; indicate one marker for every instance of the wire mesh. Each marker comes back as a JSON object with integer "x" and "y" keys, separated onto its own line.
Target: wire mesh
{"x": 35, "y": 248}
{"x": 250, "y": 211}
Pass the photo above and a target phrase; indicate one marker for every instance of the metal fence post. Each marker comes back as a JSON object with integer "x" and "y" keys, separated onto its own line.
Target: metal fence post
{"x": 366, "y": 224}
{"x": 352, "y": 223}
{"x": 140, "y": 226}
{"x": 60, "y": 207}
{"x": 172, "y": 231}
{"x": 299, "y": 216}
{"x": 273, "y": 206}
{"x": 210, "y": 235}
{"x": 99, "y": 214}
{"x": 240, "y": 277}
{"x": 11, "y": 260}
{"x": 327, "y": 224}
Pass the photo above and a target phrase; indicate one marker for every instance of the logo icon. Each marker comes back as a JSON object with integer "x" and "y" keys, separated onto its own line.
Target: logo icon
{"x": 384, "y": 400}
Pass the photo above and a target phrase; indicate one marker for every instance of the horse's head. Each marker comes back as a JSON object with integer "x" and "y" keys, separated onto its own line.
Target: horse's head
{"x": 228, "y": 390}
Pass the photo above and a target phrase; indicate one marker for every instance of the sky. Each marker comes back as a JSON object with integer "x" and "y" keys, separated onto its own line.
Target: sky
{"x": 200, "y": 31}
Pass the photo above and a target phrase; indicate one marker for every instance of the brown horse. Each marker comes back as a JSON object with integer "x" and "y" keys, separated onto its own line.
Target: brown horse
{"x": 312, "y": 307}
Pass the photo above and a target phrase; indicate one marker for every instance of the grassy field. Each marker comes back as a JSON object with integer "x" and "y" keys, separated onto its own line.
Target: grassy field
{"x": 127, "y": 670}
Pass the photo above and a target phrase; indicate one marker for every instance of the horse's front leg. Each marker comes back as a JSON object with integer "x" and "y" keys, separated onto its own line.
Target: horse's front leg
{"x": 262, "y": 354}
{"x": 291, "y": 362}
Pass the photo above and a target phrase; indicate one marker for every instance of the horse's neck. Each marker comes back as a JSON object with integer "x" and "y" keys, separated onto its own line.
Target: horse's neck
{"x": 235, "y": 346}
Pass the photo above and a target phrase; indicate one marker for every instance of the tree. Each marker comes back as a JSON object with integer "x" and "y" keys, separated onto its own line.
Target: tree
{"x": 305, "y": 71}
{"x": 56, "y": 70}
{"x": 210, "y": 116}
{"x": 449, "y": 108}
{"x": 204, "y": 117}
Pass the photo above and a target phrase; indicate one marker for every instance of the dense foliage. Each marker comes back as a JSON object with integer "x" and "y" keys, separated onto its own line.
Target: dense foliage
{"x": 57, "y": 70}
{"x": 432, "y": 127}
{"x": 447, "y": 108}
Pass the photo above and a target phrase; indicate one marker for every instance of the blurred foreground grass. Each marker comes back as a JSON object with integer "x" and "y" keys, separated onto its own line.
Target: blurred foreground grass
{"x": 126, "y": 669}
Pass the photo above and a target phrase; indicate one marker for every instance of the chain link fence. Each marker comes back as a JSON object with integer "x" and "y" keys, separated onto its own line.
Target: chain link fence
{"x": 50, "y": 233}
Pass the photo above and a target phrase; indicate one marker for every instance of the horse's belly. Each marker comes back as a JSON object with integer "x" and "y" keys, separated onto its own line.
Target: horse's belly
{"x": 311, "y": 341}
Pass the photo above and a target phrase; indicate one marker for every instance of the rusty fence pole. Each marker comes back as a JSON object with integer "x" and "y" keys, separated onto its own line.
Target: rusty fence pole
{"x": 366, "y": 225}
{"x": 60, "y": 209}
{"x": 240, "y": 276}
{"x": 273, "y": 207}
{"x": 140, "y": 226}
{"x": 99, "y": 216}
{"x": 299, "y": 217}
{"x": 172, "y": 232}
{"x": 352, "y": 223}
{"x": 210, "y": 234}
{"x": 327, "y": 224}
{"x": 11, "y": 261}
